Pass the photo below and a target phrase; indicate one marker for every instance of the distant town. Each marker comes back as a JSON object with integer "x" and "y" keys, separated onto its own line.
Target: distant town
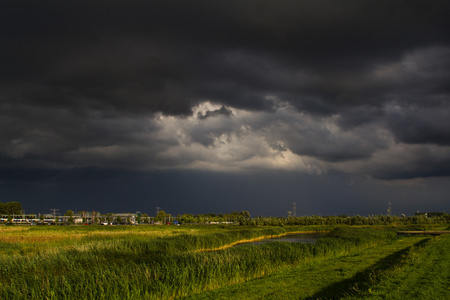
{"x": 12, "y": 213}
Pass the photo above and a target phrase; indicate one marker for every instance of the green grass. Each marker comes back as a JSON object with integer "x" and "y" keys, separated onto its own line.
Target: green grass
{"x": 162, "y": 262}
{"x": 407, "y": 268}
{"x": 424, "y": 273}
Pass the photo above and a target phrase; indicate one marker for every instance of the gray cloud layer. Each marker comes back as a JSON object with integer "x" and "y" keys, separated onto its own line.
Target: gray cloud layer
{"x": 355, "y": 87}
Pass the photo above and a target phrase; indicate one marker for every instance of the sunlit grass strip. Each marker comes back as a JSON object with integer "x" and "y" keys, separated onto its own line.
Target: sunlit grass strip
{"x": 256, "y": 240}
{"x": 28, "y": 234}
{"x": 35, "y": 239}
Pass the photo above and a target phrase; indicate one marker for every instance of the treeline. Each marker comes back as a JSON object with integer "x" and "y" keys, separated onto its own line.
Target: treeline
{"x": 243, "y": 218}
{"x": 348, "y": 220}
{"x": 232, "y": 217}
{"x": 10, "y": 208}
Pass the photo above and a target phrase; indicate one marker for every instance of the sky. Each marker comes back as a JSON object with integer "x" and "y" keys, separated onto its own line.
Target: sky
{"x": 216, "y": 106}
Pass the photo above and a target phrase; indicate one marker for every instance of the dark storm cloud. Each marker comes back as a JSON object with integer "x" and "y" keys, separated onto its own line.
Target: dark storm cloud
{"x": 420, "y": 162}
{"x": 161, "y": 56}
{"x": 415, "y": 125}
{"x": 98, "y": 84}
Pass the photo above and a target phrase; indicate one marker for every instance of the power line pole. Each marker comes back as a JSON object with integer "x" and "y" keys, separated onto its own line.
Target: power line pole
{"x": 294, "y": 210}
{"x": 54, "y": 211}
{"x": 157, "y": 209}
{"x": 389, "y": 211}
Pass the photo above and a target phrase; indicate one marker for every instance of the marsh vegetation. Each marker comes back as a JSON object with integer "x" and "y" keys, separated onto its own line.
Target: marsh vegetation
{"x": 164, "y": 262}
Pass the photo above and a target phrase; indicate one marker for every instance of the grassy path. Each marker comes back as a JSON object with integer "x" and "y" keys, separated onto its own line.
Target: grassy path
{"x": 425, "y": 274}
{"x": 414, "y": 266}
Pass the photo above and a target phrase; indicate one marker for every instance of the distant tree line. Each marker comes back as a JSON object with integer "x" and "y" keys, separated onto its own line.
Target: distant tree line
{"x": 244, "y": 218}
{"x": 233, "y": 217}
{"x": 10, "y": 208}
{"x": 442, "y": 218}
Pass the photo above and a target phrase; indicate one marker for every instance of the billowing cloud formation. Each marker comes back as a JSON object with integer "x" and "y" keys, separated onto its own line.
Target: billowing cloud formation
{"x": 354, "y": 87}
{"x": 228, "y": 139}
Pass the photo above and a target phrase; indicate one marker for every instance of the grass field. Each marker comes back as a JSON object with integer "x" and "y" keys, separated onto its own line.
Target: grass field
{"x": 408, "y": 268}
{"x": 164, "y": 262}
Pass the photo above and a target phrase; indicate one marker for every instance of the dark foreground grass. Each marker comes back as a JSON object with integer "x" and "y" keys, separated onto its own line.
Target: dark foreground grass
{"x": 407, "y": 268}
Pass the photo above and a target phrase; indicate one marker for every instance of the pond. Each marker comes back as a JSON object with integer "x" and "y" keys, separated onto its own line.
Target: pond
{"x": 310, "y": 238}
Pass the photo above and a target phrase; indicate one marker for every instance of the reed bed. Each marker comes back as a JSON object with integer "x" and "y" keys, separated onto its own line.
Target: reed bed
{"x": 162, "y": 267}
{"x": 67, "y": 232}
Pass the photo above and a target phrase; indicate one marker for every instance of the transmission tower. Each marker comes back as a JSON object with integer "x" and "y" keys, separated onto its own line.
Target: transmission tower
{"x": 389, "y": 211}
{"x": 294, "y": 209}
{"x": 157, "y": 209}
{"x": 54, "y": 211}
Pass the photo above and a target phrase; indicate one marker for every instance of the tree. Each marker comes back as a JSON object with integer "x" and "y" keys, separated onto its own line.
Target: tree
{"x": 187, "y": 218}
{"x": 145, "y": 218}
{"x": 11, "y": 208}
{"x": 69, "y": 213}
{"x": 161, "y": 216}
{"x": 245, "y": 214}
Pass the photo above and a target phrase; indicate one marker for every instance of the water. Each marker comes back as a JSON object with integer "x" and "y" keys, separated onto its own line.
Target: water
{"x": 310, "y": 238}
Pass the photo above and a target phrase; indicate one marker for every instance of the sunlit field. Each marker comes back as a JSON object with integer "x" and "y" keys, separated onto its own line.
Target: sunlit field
{"x": 166, "y": 262}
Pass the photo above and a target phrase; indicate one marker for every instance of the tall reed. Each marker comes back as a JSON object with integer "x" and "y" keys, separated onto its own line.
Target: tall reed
{"x": 155, "y": 268}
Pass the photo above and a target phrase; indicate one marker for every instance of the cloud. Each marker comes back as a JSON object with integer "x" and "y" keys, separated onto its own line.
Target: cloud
{"x": 156, "y": 57}
{"x": 221, "y": 111}
{"x": 308, "y": 87}
{"x": 419, "y": 125}
{"x": 402, "y": 161}
{"x": 223, "y": 140}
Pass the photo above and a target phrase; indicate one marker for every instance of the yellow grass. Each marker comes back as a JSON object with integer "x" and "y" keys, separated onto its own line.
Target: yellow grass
{"x": 25, "y": 234}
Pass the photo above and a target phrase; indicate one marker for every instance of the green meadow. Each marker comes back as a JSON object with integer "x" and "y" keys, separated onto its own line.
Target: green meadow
{"x": 196, "y": 262}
